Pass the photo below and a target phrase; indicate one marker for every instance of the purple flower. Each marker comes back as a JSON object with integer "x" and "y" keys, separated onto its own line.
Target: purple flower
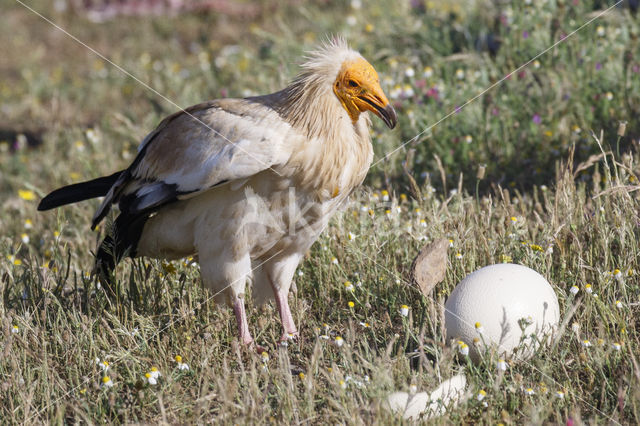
{"x": 525, "y": 34}
{"x": 458, "y": 109}
{"x": 598, "y": 66}
{"x": 536, "y": 119}
{"x": 433, "y": 93}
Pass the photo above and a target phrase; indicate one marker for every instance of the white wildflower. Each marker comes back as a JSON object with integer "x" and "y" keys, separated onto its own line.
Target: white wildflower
{"x": 502, "y": 365}
{"x": 107, "y": 382}
{"x": 404, "y": 310}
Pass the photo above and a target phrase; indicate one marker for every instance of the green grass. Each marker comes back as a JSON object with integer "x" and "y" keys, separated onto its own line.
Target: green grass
{"x": 539, "y": 172}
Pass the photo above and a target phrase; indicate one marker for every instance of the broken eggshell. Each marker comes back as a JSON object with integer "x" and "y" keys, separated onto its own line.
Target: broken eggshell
{"x": 429, "y": 405}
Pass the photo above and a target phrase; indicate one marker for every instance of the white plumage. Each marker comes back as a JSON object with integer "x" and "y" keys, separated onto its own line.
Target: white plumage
{"x": 247, "y": 185}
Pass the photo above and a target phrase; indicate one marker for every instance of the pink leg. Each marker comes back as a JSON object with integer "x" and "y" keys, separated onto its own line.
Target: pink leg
{"x": 241, "y": 319}
{"x": 282, "y": 302}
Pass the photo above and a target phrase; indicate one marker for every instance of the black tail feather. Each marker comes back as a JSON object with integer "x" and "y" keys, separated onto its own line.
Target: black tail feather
{"x": 78, "y": 192}
{"x": 122, "y": 241}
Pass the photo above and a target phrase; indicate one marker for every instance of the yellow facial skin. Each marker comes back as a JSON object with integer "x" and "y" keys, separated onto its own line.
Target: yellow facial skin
{"x": 358, "y": 89}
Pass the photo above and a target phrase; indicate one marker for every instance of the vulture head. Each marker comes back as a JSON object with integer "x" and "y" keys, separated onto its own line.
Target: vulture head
{"x": 335, "y": 79}
{"x": 357, "y": 86}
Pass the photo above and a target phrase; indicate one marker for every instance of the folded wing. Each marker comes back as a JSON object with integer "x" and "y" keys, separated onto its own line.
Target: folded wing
{"x": 196, "y": 150}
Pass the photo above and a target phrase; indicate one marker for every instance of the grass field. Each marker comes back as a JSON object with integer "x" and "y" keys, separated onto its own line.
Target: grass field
{"x": 559, "y": 195}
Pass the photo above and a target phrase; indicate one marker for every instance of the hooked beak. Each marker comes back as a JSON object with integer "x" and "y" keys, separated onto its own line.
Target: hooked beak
{"x": 385, "y": 112}
{"x": 388, "y": 115}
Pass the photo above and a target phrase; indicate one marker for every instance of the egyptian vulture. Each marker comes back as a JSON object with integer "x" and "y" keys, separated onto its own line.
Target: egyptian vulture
{"x": 247, "y": 185}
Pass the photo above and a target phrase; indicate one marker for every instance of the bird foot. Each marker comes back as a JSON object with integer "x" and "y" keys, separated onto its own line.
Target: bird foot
{"x": 249, "y": 345}
{"x": 258, "y": 348}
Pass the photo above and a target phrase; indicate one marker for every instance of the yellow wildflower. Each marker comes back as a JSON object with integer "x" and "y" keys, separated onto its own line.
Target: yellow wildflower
{"x": 26, "y": 194}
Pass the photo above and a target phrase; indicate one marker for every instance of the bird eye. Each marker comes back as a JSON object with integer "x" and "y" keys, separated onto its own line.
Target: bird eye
{"x": 352, "y": 83}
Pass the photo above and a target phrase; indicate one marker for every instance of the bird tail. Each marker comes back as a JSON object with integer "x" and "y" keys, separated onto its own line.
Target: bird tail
{"x": 120, "y": 242}
{"x": 79, "y": 192}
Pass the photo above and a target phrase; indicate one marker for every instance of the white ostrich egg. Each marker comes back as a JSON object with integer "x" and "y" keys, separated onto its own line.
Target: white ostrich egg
{"x": 491, "y": 305}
